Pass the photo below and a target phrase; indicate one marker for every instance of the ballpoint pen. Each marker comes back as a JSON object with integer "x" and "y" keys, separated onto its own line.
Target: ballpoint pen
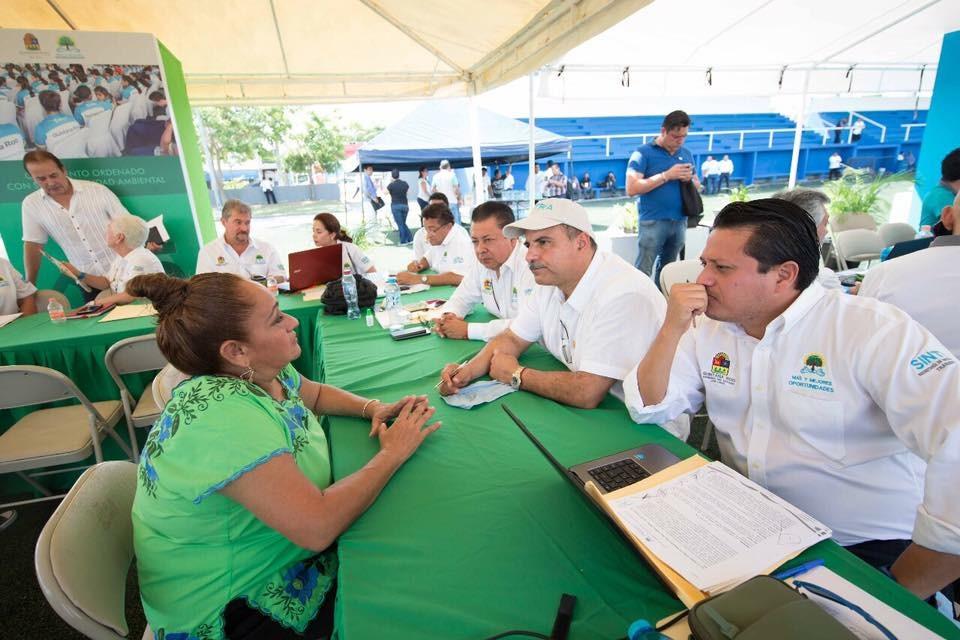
{"x": 455, "y": 372}
{"x": 797, "y": 570}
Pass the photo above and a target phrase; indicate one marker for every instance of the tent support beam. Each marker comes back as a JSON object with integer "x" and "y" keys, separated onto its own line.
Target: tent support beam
{"x": 532, "y": 150}
{"x": 479, "y": 192}
{"x": 60, "y": 12}
{"x": 798, "y": 133}
{"x": 283, "y": 51}
{"x": 410, "y": 33}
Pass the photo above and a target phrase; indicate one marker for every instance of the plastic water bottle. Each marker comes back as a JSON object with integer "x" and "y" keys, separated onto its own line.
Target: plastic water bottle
{"x": 56, "y": 311}
{"x": 925, "y": 232}
{"x": 369, "y": 317}
{"x": 391, "y": 304}
{"x": 350, "y": 293}
{"x": 273, "y": 287}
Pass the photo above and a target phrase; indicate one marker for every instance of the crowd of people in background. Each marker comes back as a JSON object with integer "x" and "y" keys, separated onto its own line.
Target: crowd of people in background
{"x": 81, "y": 111}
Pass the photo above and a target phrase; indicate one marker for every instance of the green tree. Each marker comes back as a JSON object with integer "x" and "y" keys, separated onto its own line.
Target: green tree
{"x": 357, "y": 132}
{"x": 323, "y": 141}
{"x": 242, "y": 133}
{"x": 814, "y": 362}
{"x": 66, "y": 42}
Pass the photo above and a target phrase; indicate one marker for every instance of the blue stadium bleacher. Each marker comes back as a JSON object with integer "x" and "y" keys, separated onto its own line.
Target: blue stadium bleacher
{"x": 760, "y": 158}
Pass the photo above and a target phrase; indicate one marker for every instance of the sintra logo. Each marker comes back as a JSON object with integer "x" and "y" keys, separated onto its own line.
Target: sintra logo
{"x": 929, "y": 361}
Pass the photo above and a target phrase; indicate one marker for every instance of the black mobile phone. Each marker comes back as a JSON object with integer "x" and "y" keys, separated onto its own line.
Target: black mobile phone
{"x": 409, "y": 332}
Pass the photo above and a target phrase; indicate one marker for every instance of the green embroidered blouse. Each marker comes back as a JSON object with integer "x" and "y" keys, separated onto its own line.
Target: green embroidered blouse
{"x": 196, "y": 549}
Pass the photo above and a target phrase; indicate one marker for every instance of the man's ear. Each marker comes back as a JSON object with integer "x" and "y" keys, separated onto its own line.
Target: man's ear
{"x": 787, "y": 274}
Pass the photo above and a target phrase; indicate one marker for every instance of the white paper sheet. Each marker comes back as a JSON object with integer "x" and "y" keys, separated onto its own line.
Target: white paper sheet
{"x": 717, "y": 528}
{"x": 897, "y": 623}
{"x": 5, "y": 320}
{"x": 128, "y": 311}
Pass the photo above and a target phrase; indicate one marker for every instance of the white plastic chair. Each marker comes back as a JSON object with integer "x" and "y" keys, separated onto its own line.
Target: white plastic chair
{"x": 893, "y": 232}
{"x": 52, "y": 436}
{"x": 84, "y": 552}
{"x": 119, "y": 124}
{"x": 680, "y": 271}
{"x": 853, "y": 221}
{"x": 163, "y": 384}
{"x": 857, "y": 245}
{"x": 65, "y": 103}
{"x": 100, "y": 142}
{"x": 140, "y": 107}
{"x": 8, "y": 112}
{"x": 135, "y": 355}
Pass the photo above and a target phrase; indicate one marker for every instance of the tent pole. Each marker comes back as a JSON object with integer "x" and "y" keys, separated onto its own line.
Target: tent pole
{"x": 479, "y": 193}
{"x": 798, "y": 132}
{"x": 532, "y": 151}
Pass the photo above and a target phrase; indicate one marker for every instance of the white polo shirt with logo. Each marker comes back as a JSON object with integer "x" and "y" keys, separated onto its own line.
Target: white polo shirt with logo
{"x": 258, "y": 259}
{"x": 502, "y": 295}
{"x": 846, "y": 408}
{"x": 12, "y": 288}
{"x": 138, "y": 262}
{"x": 455, "y": 254}
{"x": 604, "y": 327}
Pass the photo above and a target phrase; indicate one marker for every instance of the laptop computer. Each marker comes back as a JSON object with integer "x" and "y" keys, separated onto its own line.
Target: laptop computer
{"x": 315, "y": 266}
{"x": 608, "y": 473}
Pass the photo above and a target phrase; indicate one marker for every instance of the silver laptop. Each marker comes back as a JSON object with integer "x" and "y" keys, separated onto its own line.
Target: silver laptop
{"x": 608, "y": 473}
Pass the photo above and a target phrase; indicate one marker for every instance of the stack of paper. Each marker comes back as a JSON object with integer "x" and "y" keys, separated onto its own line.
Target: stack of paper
{"x": 314, "y": 293}
{"x": 706, "y": 528}
{"x": 128, "y": 311}
{"x": 5, "y": 320}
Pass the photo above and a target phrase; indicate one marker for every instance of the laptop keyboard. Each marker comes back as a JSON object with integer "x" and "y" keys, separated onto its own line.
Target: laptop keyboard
{"x": 619, "y": 474}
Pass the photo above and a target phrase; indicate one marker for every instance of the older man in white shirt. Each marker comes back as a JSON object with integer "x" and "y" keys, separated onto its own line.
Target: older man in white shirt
{"x": 844, "y": 407}
{"x": 237, "y": 252}
{"x": 921, "y": 283}
{"x": 593, "y": 311}
{"x": 16, "y": 294}
{"x": 500, "y": 278}
{"x": 448, "y": 250}
{"x": 75, "y": 213}
{"x": 815, "y": 204}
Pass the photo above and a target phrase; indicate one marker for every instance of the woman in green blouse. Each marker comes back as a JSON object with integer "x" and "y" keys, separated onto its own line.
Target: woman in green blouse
{"x": 235, "y": 513}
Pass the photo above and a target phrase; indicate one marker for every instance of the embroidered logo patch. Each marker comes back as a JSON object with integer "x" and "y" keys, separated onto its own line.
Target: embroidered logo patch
{"x": 487, "y": 285}
{"x": 928, "y": 361}
{"x": 720, "y": 364}
{"x": 813, "y": 374}
{"x": 221, "y": 261}
{"x": 260, "y": 259}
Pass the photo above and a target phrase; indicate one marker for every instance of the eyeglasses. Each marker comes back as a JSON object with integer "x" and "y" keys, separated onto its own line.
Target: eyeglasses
{"x": 565, "y": 346}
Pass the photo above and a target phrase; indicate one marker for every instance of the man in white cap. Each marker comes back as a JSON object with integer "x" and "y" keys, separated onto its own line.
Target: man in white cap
{"x": 593, "y": 311}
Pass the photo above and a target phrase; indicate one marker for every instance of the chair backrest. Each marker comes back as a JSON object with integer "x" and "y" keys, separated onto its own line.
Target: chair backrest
{"x": 25, "y": 385}
{"x": 65, "y": 103}
{"x": 133, "y": 355}
{"x": 84, "y": 551}
{"x": 680, "y": 271}
{"x": 163, "y": 384}
{"x": 69, "y": 145}
{"x": 8, "y": 112}
{"x": 44, "y": 296}
{"x": 893, "y": 232}
{"x": 853, "y": 221}
{"x": 120, "y": 121}
{"x": 858, "y": 244}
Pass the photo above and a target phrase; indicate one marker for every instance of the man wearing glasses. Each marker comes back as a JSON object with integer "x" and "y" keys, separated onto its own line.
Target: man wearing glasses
{"x": 593, "y": 311}
{"x": 448, "y": 251}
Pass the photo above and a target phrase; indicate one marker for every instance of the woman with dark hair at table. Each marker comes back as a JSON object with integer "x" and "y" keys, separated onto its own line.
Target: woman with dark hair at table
{"x": 327, "y": 232}
{"x": 236, "y": 515}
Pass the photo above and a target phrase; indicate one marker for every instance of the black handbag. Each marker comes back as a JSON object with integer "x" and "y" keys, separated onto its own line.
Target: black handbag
{"x": 378, "y": 203}
{"x": 334, "y": 304}
{"x": 692, "y": 203}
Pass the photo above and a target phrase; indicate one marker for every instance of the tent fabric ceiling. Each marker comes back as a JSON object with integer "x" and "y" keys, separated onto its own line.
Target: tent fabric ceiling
{"x": 669, "y": 46}
{"x": 310, "y": 51}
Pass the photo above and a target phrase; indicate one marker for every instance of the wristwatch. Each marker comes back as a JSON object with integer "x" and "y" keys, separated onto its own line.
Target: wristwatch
{"x": 515, "y": 378}
{"x": 81, "y": 275}
{"x": 423, "y": 279}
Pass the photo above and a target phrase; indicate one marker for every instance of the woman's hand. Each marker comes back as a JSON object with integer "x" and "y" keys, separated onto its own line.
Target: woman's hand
{"x": 407, "y": 432}
{"x": 382, "y": 412}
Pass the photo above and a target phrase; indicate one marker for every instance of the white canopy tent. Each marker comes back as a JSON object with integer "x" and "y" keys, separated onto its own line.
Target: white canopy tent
{"x": 314, "y": 51}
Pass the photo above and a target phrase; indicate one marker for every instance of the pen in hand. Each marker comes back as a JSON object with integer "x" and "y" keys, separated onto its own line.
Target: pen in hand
{"x": 455, "y": 372}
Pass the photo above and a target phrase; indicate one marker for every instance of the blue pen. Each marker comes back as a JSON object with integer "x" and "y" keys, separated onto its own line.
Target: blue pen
{"x": 797, "y": 570}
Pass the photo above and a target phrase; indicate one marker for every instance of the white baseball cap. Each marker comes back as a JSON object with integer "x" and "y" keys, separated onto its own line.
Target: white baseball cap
{"x": 549, "y": 213}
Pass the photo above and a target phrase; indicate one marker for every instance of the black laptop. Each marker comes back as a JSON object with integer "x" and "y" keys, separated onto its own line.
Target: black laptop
{"x": 608, "y": 473}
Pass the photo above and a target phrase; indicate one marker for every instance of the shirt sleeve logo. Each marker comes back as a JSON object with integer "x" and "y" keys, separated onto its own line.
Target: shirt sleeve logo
{"x": 928, "y": 361}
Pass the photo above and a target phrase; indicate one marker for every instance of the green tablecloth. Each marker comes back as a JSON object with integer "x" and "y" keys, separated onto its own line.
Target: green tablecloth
{"x": 477, "y": 533}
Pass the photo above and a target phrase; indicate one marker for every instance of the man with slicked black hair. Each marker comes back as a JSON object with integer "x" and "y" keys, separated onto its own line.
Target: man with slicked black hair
{"x": 843, "y": 406}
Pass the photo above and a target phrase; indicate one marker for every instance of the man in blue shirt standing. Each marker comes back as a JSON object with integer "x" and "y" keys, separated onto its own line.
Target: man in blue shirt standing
{"x": 654, "y": 174}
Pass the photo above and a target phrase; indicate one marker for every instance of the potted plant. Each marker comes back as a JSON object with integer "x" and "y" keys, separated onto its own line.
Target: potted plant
{"x": 853, "y": 194}
{"x": 740, "y": 193}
